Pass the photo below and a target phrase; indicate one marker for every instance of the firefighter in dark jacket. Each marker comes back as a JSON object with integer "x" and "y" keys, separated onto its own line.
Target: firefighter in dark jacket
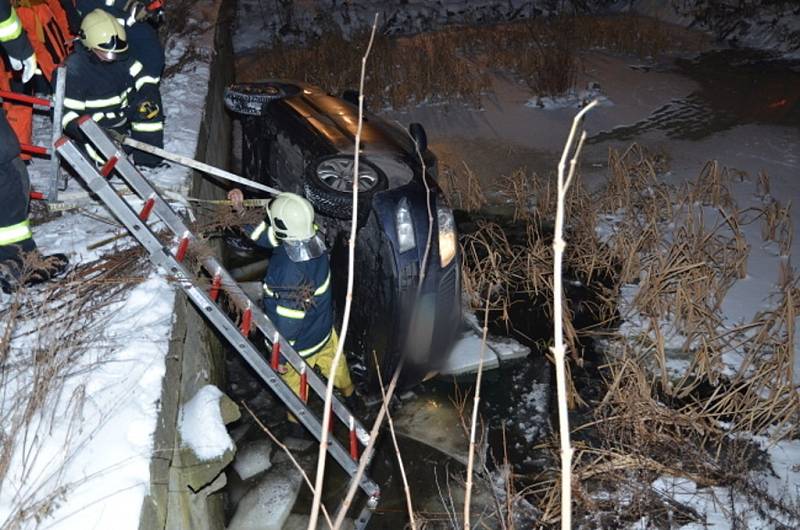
{"x": 16, "y": 238}
{"x": 297, "y": 286}
{"x": 145, "y": 46}
{"x": 103, "y": 81}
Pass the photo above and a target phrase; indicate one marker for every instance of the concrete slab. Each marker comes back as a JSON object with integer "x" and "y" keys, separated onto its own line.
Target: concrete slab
{"x": 268, "y": 505}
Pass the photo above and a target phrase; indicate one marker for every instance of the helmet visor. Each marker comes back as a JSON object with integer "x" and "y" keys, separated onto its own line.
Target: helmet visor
{"x": 107, "y": 56}
{"x": 115, "y": 44}
{"x": 304, "y": 250}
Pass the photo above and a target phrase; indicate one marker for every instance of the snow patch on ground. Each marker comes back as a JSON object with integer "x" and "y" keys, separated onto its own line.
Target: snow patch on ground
{"x": 100, "y": 454}
{"x": 201, "y": 425}
{"x": 571, "y": 100}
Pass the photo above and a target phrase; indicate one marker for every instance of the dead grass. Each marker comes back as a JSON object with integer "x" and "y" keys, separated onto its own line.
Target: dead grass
{"x": 457, "y": 64}
{"x": 462, "y": 188}
{"x": 673, "y": 255}
{"x": 57, "y": 325}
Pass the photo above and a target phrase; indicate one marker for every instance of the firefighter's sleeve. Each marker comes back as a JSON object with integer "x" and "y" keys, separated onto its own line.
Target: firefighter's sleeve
{"x": 74, "y": 105}
{"x": 12, "y": 34}
{"x": 284, "y": 301}
{"x": 261, "y": 235}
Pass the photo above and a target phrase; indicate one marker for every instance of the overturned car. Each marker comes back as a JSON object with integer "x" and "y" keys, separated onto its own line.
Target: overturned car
{"x": 407, "y": 295}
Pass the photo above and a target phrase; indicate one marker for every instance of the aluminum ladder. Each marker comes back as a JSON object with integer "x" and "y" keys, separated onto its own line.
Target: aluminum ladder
{"x": 171, "y": 261}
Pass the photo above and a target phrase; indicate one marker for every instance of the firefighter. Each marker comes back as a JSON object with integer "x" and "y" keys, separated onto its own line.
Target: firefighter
{"x": 16, "y": 238}
{"x": 297, "y": 287}
{"x": 102, "y": 82}
{"x": 136, "y": 17}
{"x": 44, "y": 22}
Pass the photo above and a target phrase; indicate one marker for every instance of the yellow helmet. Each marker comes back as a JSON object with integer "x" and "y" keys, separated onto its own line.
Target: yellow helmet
{"x": 291, "y": 217}
{"x": 103, "y": 34}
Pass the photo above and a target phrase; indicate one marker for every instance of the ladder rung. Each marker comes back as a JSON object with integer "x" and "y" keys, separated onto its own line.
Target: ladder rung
{"x": 147, "y": 208}
{"x": 109, "y": 166}
{"x": 276, "y": 352}
{"x": 353, "y": 440}
{"x": 215, "y": 285}
{"x": 247, "y": 322}
{"x": 183, "y": 246}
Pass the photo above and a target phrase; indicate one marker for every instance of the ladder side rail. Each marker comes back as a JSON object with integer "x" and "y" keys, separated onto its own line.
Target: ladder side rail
{"x": 58, "y": 113}
{"x": 163, "y": 210}
{"x": 161, "y": 257}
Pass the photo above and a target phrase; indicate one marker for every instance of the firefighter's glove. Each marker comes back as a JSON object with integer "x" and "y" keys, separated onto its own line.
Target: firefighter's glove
{"x": 115, "y": 135}
{"x": 148, "y": 110}
{"x": 137, "y": 12}
{"x": 28, "y": 67}
{"x": 237, "y": 200}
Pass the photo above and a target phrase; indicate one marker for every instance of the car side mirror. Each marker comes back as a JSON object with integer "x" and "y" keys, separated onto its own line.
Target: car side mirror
{"x": 351, "y": 96}
{"x": 417, "y": 132}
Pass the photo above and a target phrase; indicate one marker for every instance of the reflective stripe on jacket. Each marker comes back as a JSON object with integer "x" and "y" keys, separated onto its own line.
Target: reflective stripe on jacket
{"x": 12, "y": 36}
{"x": 10, "y": 25}
{"x": 16, "y": 233}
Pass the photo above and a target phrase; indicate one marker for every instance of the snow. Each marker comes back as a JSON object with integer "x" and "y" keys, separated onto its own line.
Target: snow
{"x": 90, "y": 462}
{"x": 110, "y": 436}
{"x": 571, "y": 100}
{"x": 201, "y": 426}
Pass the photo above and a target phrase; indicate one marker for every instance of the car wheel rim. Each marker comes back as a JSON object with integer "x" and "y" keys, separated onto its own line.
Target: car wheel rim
{"x": 337, "y": 174}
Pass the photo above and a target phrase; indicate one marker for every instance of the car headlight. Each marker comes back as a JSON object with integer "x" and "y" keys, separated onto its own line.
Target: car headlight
{"x": 404, "y": 226}
{"x": 447, "y": 235}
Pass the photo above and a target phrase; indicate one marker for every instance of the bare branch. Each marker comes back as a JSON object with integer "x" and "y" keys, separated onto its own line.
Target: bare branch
{"x": 406, "y": 489}
{"x": 326, "y": 417}
{"x": 558, "y": 317}
{"x": 473, "y": 427}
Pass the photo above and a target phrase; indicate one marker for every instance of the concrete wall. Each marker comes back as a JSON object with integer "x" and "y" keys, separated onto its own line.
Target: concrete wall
{"x": 185, "y": 493}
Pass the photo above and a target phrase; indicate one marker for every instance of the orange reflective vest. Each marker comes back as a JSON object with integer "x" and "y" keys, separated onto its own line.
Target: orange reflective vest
{"x": 20, "y": 116}
{"x": 45, "y": 22}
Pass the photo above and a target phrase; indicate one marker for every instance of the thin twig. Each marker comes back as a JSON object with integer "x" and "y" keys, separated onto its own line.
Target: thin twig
{"x": 366, "y": 457}
{"x": 473, "y": 426}
{"x": 326, "y": 417}
{"x": 406, "y": 488}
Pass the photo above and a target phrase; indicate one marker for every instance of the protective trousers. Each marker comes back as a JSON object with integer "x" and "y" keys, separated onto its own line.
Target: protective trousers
{"x": 323, "y": 361}
{"x": 15, "y": 230}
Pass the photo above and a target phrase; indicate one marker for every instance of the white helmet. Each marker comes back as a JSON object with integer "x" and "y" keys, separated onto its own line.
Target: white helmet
{"x": 103, "y": 34}
{"x": 291, "y": 217}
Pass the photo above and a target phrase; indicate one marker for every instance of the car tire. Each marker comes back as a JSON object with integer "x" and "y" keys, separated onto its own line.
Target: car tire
{"x": 338, "y": 204}
{"x": 252, "y": 99}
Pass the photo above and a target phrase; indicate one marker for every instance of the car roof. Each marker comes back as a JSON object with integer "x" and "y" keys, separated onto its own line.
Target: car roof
{"x": 337, "y": 121}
